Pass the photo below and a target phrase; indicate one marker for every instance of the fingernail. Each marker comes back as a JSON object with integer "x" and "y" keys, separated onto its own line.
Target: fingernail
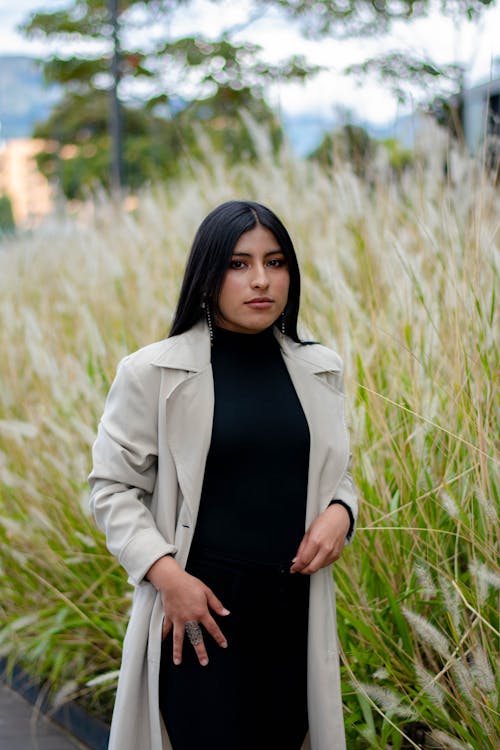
{"x": 224, "y": 644}
{"x": 204, "y": 662}
{"x": 224, "y": 611}
{"x": 177, "y": 661}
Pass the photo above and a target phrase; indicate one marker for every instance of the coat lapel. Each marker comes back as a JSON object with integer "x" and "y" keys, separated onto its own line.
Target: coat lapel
{"x": 188, "y": 403}
{"x": 309, "y": 369}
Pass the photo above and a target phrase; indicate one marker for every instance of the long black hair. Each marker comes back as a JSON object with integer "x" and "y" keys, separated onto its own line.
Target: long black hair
{"x": 210, "y": 257}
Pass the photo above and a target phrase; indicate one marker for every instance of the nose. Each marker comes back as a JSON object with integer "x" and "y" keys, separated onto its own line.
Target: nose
{"x": 259, "y": 278}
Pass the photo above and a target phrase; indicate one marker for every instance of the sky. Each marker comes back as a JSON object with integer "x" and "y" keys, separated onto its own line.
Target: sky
{"x": 476, "y": 46}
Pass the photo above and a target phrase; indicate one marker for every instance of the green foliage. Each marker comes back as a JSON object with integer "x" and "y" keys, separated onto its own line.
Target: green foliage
{"x": 154, "y": 148}
{"x": 80, "y": 159}
{"x": 368, "y": 17}
{"x": 405, "y": 75}
{"x": 160, "y": 117}
{"x": 349, "y": 144}
{"x": 400, "y": 158}
{"x": 7, "y": 223}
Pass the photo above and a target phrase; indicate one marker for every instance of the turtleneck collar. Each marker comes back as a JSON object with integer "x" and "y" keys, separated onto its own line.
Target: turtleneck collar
{"x": 235, "y": 341}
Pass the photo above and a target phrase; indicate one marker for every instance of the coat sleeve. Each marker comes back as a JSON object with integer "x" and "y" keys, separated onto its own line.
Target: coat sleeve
{"x": 123, "y": 476}
{"x": 347, "y": 494}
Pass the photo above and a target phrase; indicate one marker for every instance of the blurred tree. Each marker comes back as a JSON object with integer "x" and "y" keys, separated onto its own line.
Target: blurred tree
{"x": 350, "y": 144}
{"x": 154, "y": 147}
{"x": 400, "y": 159}
{"x": 7, "y": 223}
{"x": 166, "y": 86}
{"x": 348, "y": 18}
{"x": 402, "y": 73}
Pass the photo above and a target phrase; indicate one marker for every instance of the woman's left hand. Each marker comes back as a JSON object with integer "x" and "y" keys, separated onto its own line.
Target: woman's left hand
{"x": 323, "y": 542}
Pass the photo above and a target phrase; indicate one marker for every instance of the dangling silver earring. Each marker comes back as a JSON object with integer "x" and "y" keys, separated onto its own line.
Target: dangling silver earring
{"x": 282, "y": 326}
{"x": 206, "y": 307}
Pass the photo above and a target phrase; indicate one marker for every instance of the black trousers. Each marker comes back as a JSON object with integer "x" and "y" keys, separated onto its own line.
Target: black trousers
{"x": 252, "y": 695}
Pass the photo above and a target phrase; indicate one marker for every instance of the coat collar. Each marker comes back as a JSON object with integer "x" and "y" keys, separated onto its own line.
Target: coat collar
{"x": 191, "y": 351}
{"x": 187, "y": 351}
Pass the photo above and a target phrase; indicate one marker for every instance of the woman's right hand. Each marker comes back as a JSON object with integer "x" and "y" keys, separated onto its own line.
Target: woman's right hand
{"x": 185, "y": 599}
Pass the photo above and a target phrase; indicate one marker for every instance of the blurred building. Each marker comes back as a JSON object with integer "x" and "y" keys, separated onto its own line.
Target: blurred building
{"x": 477, "y": 114}
{"x": 29, "y": 191}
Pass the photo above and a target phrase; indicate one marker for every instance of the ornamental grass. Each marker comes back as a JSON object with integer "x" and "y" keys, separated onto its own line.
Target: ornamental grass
{"x": 399, "y": 276}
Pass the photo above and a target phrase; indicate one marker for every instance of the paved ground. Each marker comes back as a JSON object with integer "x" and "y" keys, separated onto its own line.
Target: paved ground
{"x": 23, "y": 728}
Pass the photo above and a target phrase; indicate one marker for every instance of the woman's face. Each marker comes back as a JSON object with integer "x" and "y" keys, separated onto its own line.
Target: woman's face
{"x": 254, "y": 290}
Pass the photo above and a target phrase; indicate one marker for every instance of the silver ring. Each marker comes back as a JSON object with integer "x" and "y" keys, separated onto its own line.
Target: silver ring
{"x": 193, "y": 632}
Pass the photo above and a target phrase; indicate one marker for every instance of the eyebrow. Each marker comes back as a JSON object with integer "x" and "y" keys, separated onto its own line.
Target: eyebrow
{"x": 270, "y": 252}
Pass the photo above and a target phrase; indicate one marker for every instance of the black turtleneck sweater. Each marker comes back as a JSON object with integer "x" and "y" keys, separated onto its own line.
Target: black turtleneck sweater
{"x": 253, "y": 500}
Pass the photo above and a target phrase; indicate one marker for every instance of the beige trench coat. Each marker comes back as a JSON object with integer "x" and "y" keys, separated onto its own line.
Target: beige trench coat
{"x": 148, "y": 466}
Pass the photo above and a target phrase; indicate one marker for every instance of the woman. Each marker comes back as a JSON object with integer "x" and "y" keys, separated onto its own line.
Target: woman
{"x": 221, "y": 480}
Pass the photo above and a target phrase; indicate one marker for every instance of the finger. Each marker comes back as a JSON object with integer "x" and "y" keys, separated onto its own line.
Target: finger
{"x": 335, "y": 553}
{"x": 177, "y": 643}
{"x": 297, "y": 565}
{"x": 216, "y": 604}
{"x": 195, "y": 637}
{"x": 315, "y": 564}
{"x": 213, "y": 629}
{"x": 321, "y": 560}
{"x": 166, "y": 627}
{"x": 303, "y": 557}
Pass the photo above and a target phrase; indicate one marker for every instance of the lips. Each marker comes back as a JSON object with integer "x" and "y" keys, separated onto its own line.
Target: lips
{"x": 258, "y": 300}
